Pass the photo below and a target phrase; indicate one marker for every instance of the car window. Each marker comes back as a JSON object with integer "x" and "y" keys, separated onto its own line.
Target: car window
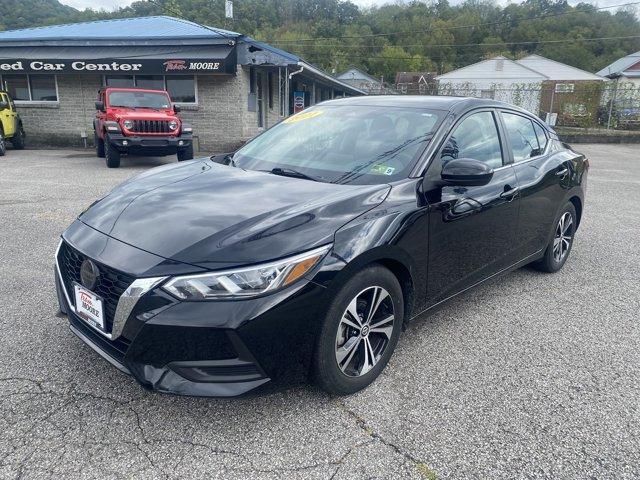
{"x": 542, "y": 137}
{"x": 522, "y": 136}
{"x": 476, "y": 137}
{"x": 347, "y": 144}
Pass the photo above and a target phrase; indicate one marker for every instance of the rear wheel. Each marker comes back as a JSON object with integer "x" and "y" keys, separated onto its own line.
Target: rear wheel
{"x": 99, "y": 143}
{"x": 185, "y": 153}
{"x": 2, "y": 144}
{"x": 359, "y": 332}
{"x": 112, "y": 155}
{"x": 17, "y": 141}
{"x": 561, "y": 242}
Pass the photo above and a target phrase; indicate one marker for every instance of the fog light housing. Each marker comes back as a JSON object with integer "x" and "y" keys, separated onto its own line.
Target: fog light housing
{"x": 180, "y": 143}
{"x": 125, "y": 143}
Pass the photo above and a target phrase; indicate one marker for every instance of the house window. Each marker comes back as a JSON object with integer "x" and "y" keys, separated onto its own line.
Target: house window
{"x": 31, "y": 88}
{"x": 565, "y": 87}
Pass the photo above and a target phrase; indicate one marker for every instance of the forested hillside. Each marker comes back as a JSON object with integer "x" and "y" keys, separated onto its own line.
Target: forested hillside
{"x": 434, "y": 36}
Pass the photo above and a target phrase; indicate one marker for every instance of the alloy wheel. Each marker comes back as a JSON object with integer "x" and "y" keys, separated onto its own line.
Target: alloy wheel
{"x": 364, "y": 331}
{"x": 563, "y": 237}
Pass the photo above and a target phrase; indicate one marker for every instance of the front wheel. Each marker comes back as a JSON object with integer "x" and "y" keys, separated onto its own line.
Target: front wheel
{"x": 112, "y": 155}
{"x": 359, "y": 332}
{"x": 559, "y": 246}
{"x": 18, "y": 139}
{"x": 99, "y": 143}
{"x": 2, "y": 145}
{"x": 185, "y": 153}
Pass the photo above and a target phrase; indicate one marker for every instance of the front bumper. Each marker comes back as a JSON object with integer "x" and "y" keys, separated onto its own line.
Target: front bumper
{"x": 222, "y": 349}
{"x": 151, "y": 143}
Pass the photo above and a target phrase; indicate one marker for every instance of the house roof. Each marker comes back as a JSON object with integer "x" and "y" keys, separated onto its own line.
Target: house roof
{"x": 532, "y": 67}
{"x": 130, "y": 29}
{"x": 618, "y": 67}
{"x": 556, "y": 70}
{"x": 346, "y": 75}
{"x": 492, "y": 68}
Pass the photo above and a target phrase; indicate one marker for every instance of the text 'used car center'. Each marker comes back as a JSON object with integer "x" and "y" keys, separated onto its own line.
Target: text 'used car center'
{"x": 228, "y": 86}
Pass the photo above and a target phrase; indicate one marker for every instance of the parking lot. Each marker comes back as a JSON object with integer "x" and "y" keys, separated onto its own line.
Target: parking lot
{"x": 532, "y": 376}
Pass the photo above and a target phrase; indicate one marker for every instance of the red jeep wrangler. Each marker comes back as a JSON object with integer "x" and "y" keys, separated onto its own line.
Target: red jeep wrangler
{"x": 138, "y": 121}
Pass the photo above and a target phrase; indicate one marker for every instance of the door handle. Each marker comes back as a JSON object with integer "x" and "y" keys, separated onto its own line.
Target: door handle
{"x": 563, "y": 172}
{"x": 510, "y": 194}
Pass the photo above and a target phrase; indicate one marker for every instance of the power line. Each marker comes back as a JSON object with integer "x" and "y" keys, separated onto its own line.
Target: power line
{"x": 532, "y": 42}
{"x": 457, "y": 27}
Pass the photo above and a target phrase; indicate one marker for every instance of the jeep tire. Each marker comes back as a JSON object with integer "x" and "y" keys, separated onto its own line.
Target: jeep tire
{"x": 2, "y": 144}
{"x": 185, "y": 153}
{"x": 111, "y": 154}
{"x": 99, "y": 143}
{"x": 17, "y": 141}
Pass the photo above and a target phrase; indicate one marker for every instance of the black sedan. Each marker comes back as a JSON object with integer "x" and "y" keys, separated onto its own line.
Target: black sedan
{"x": 303, "y": 254}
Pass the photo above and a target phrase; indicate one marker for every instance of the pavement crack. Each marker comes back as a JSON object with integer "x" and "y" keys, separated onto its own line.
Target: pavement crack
{"x": 421, "y": 467}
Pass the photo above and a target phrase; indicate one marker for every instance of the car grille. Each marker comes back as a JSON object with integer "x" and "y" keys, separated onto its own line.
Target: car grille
{"x": 151, "y": 126}
{"x": 111, "y": 283}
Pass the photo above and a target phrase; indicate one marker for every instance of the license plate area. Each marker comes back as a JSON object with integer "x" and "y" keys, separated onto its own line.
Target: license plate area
{"x": 89, "y": 306}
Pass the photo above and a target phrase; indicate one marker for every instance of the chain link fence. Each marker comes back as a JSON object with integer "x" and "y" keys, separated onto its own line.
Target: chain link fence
{"x": 609, "y": 105}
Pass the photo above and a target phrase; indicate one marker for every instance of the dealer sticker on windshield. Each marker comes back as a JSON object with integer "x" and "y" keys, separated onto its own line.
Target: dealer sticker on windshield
{"x": 89, "y": 306}
{"x": 298, "y": 117}
{"x": 382, "y": 170}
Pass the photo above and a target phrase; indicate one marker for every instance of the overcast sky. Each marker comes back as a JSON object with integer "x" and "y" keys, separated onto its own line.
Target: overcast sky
{"x": 111, "y": 4}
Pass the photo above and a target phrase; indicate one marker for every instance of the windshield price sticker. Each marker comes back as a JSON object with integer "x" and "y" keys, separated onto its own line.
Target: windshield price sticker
{"x": 303, "y": 116}
{"x": 382, "y": 170}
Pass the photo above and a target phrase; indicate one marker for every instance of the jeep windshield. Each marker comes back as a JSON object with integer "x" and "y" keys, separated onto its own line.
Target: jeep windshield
{"x": 347, "y": 144}
{"x": 139, "y": 100}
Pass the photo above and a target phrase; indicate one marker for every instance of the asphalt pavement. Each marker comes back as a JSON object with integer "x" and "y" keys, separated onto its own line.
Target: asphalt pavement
{"x": 531, "y": 376}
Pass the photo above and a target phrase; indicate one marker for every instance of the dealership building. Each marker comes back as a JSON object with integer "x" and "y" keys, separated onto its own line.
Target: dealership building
{"x": 229, "y": 86}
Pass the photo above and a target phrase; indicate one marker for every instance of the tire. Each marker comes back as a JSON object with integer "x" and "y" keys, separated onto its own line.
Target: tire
{"x": 185, "y": 153}
{"x": 3, "y": 145}
{"x": 340, "y": 365}
{"x": 99, "y": 143}
{"x": 559, "y": 247}
{"x": 17, "y": 141}
{"x": 112, "y": 155}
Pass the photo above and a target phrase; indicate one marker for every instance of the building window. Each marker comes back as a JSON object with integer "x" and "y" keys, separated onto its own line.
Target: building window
{"x": 565, "y": 87}
{"x": 181, "y": 88}
{"x": 31, "y": 88}
{"x": 270, "y": 87}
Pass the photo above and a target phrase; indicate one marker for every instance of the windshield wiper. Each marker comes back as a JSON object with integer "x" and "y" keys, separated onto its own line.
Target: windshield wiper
{"x": 290, "y": 172}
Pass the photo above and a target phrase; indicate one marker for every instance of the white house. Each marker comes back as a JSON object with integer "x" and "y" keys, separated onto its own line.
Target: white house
{"x": 357, "y": 78}
{"x": 514, "y": 81}
{"x": 625, "y": 69}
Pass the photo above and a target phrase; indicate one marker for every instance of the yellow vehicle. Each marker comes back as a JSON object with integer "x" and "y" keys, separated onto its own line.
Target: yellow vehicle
{"x": 10, "y": 124}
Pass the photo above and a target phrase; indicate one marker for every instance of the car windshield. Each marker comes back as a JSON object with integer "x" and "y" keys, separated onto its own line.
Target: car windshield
{"x": 138, "y": 100}
{"x": 346, "y": 144}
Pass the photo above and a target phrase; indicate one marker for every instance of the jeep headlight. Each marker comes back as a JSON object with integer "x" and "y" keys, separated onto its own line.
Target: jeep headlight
{"x": 173, "y": 125}
{"x": 247, "y": 281}
{"x": 128, "y": 124}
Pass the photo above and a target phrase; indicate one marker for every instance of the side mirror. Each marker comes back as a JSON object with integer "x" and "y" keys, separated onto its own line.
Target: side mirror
{"x": 4, "y": 106}
{"x": 176, "y": 108}
{"x": 466, "y": 172}
{"x": 100, "y": 106}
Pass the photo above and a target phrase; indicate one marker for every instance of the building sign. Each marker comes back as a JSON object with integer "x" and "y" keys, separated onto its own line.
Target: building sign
{"x": 298, "y": 102}
{"x": 128, "y": 66}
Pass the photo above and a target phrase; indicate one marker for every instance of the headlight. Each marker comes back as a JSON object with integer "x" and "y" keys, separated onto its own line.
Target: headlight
{"x": 128, "y": 124}
{"x": 173, "y": 125}
{"x": 245, "y": 282}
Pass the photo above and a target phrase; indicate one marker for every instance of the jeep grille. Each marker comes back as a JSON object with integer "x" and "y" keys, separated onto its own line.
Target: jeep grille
{"x": 151, "y": 126}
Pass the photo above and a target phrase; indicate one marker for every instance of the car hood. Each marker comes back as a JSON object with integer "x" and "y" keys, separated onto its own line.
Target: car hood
{"x": 213, "y": 215}
{"x": 143, "y": 115}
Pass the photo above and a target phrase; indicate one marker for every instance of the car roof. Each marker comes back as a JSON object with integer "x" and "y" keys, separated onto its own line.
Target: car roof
{"x": 447, "y": 103}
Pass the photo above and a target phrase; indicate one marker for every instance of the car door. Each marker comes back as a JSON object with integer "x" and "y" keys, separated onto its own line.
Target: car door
{"x": 471, "y": 229}
{"x": 542, "y": 174}
{"x": 7, "y": 116}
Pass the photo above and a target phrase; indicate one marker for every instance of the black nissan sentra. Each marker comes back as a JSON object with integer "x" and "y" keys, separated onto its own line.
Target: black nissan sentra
{"x": 303, "y": 254}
